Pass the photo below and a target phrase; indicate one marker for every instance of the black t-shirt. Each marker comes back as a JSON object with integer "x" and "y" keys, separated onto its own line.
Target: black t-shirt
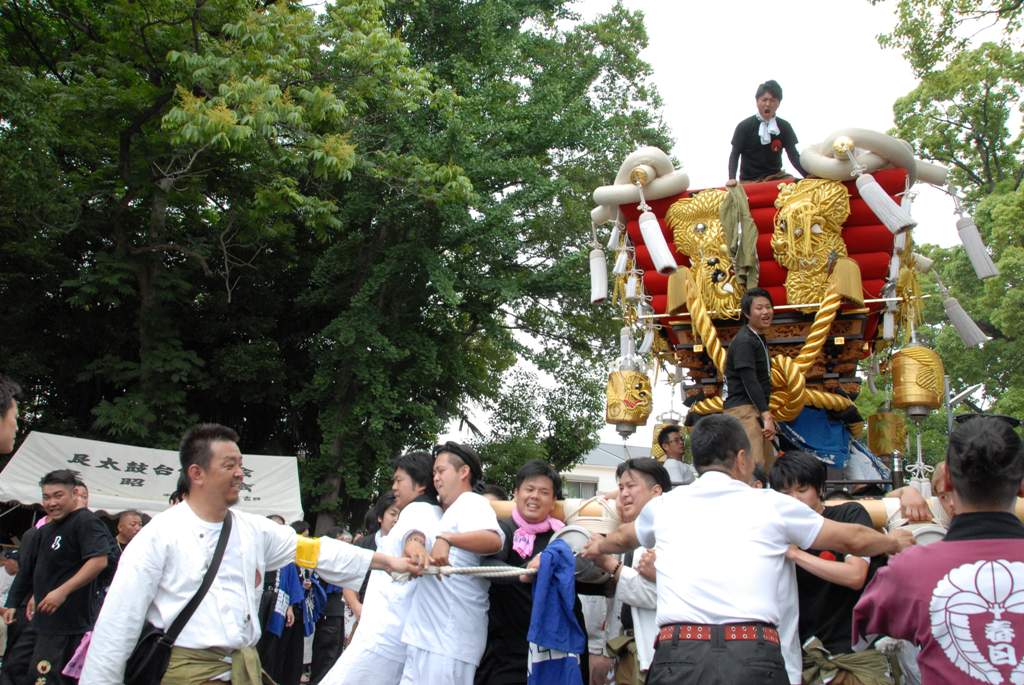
{"x": 748, "y": 350}
{"x": 504, "y": 661}
{"x": 62, "y": 547}
{"x": 758, "y": 160}
{"x": 826, "y": 609}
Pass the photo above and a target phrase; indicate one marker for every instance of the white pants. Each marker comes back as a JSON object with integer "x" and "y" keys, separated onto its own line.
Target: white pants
{"x": 422, "y": 667}
{"x": 360, "y": 665}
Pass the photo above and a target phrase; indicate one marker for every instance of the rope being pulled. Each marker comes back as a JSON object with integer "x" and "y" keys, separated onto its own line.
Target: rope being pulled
{"x": 479, "y": 571}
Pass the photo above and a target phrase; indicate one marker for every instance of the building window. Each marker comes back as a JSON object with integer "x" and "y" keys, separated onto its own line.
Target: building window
{"x": 579, "y": 489}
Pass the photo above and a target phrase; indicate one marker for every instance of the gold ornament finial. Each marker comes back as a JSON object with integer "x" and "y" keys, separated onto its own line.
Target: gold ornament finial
{"x": 842, "y": 146}
{"x": 638, "y": 175}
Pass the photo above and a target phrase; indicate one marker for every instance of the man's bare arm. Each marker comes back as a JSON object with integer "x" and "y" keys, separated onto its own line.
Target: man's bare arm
{"x": 853, "y": 538}
{"x": 618, "y": 542}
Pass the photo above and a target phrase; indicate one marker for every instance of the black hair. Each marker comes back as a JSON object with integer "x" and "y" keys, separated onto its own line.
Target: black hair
{"x": 495, "y": 491}
{"x": 9, "y": 391}
{"x": 772, "y": 87}
{"x": 464, "y": 456}
{"x": 665, "y": 434}
{"x": 985, "y": 462}
{"x": 650, "y": 469}
{"x": 420, "y": 467}
{"x": 335, "y": 532}
{"x": 716, "y": 440}
{"x": 195, "y": 449}
{"x": 127, "y": 512}
{"x": 535, "y": 468}
{"x": 71, "y": 479}
{"x": 761, "y": 475}
{"x": 300, "y": 527}
{"x": 276, "y": 517}
{"x": 748, "y": 300}
{"x": 797, "y": 468}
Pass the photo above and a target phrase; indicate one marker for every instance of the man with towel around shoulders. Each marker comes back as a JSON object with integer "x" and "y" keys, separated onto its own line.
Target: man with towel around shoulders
{"x": 164, "y": 566}
{"x": 446, "y": 628}
{"x": 721, "y": 548}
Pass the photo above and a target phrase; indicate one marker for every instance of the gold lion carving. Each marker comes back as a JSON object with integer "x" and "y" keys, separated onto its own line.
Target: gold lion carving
{"x": 697, "y": 232}
{"x": 808, "y": 235}
{"x": 629, "y": 398}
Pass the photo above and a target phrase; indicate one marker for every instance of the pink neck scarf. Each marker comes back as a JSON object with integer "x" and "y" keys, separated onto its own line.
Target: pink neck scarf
{"x": 526, "y": 533}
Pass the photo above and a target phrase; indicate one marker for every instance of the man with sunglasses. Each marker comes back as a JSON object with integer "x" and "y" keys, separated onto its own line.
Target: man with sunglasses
{"x": 446, "y": 628}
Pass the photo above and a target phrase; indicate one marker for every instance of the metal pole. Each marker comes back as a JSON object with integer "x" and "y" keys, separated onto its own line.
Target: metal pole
{"x": 949, "y": 406}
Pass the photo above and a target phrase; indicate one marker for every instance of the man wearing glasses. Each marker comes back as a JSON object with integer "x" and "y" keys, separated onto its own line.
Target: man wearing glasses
{"x": 446, "y": 629}
{"x": 672, "y": 444}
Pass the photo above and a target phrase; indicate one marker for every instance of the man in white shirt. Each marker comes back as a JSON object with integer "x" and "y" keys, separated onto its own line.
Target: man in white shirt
{"x": 721, "y": 549}
{"x": 164, "y": 566}
{"x": 377, "y": 653}
{"x": 670, "y": 439}
{"x": 446, "y": 629}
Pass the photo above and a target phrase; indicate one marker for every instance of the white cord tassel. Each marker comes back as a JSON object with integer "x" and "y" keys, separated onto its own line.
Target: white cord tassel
{"x": 633, "y": 292}
{"x": 888, "y": 326}
{"x": 648, "y": 342}
{"x": 613, "y": 240}
{"x": 627, "y": 349}
{"x": 654, "y": 239}
{"x": 922, "y": 264}
{"x": 970, "y": 334}
{"x": 621, "y": 261}
{"x": 895, "y": 218}
{"x": 598, "y": 276}
{"x": 976, "y": 250}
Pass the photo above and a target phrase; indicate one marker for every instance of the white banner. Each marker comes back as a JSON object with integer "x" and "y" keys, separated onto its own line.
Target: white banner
{"x": 125, "y": 477}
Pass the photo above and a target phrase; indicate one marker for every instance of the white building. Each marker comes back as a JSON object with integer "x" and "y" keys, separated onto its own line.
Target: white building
{"x": 596, "y": 473}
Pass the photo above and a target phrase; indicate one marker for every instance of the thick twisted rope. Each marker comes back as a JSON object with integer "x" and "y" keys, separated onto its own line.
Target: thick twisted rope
{"x": 704, "y": 325}
{"x": 815, "y": 340}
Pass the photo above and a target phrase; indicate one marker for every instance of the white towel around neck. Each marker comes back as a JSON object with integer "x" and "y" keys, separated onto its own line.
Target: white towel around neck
{"x": 767, "y": 128}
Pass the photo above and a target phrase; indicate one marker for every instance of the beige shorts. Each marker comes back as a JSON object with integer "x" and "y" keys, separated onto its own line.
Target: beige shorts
{"x": 762, "y": 450}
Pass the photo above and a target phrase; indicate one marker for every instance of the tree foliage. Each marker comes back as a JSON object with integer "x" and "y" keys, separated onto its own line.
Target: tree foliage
{"x": 966, "y": 114}
{"x": 333, "y": 232}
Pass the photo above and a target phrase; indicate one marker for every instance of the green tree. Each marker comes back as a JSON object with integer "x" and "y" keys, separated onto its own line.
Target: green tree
{"x": 965, "y": 113}
{"x": 335, "y": 233}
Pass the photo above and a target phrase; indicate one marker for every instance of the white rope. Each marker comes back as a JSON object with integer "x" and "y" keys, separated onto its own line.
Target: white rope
{"x": 478, "y": 571}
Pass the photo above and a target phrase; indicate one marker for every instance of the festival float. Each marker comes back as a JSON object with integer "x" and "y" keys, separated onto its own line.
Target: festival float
{"x": 836, "y": 252}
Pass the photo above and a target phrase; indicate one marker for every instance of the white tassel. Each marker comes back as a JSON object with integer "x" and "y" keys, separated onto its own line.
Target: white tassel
{"x": 888, "y": 326}
{"x": 621, "y": 261}
{"x": 598, "y": 276}
{"x": 976, "y": 250}
{"x": 627, "y": 349}
{"x": 654, "y": 239}
{"x": 922, "y": 264}
{"x": 648, "y": 342}
{"x": 613, "y": 240}
{"x": 895, "y": 218}
{"x": 633, "y": 288}
{"x": 969, "y": 332}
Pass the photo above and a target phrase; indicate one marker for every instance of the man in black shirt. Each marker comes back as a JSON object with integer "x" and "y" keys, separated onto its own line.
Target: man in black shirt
{"x": 759, "y": 140}
{"x": 748, "y": 383}
{"x": 9, "y": 392}
{"x": 829, "y": 583}
{"x": 70, "y": 552}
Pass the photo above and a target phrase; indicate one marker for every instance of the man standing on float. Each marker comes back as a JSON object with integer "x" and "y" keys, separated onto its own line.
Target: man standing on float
{"x": 748, "y": 379}
{"x": 758, "y": 141}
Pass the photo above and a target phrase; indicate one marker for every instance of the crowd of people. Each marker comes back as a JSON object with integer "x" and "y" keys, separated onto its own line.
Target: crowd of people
{"x": 730, "y": 570}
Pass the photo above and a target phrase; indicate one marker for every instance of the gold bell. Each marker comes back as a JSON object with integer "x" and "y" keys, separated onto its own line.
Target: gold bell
{"x": 917, "y": 379}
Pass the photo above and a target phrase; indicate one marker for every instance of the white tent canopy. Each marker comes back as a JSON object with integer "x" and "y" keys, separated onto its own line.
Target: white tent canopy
{"x": 125, "y": 477}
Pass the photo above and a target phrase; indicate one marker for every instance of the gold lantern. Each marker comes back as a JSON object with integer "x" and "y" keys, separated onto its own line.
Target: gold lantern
{"x": 917, "y": 380}
{"x": 887, "y": 432}
{"x": 629, "y": 398}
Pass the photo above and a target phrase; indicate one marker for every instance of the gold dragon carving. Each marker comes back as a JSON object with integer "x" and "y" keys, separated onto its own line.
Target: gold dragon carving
{"x": 698, "y": 233}
{"x": 808, "y": 235}
{"x": 629, "y": 398}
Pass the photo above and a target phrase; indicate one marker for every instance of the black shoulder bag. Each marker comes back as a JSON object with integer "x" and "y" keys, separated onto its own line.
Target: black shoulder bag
{"x": 148, "y": 661}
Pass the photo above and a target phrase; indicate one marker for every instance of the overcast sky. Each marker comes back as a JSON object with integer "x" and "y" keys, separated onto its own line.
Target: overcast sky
{"x": 709, "y": 57}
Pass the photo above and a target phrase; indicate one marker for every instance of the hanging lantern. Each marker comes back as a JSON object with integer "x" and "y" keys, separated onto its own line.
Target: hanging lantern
{"x": 654, "y": 239}
{"x": 628, "y": 400}
{"x": 887, "y": 432}
{"x": 598, "y": 276}
{"x": 917, "y": 380}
